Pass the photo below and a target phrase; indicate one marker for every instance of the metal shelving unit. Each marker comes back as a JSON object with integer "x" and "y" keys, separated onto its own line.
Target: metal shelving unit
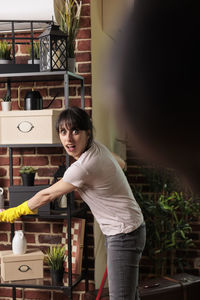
{"x": 42, "y": 284}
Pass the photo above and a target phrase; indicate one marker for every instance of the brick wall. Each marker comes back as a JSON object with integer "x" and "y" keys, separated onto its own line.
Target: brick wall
{"x": 42, "y": 233}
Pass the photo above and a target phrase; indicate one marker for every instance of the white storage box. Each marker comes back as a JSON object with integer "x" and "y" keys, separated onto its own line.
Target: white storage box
{"x": 21, "y": 267}
{"x": 29, "y": 127}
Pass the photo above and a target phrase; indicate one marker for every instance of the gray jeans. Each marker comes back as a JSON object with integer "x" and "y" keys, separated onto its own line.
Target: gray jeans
{"x": 123, "y": 256}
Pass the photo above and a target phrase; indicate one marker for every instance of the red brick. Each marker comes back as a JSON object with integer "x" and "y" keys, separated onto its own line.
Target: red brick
{"x": 37, "y": 294}
{"x": 18, "y": 226}
{"x": 23, "y": 151}
{"x": 88, "y": 102}
{"x": 41, "y": 181}
{"x": 37, "y": 227}
{"x": 5, "y": 227}
{"x": 3, "y": 151}
{"x": 85, "y": 11}
{"x": 3, "y": 237}
{"x": 83, "y": 56}
{"x": 3, "y": 172}
{"x": 30, "y": 238}
{"x": 16, "y": 181}
{"x": 7, "y": 292}
{"x": 84, "y": 45}
{"x": 49, "y": 239}
{"x": 57, "y": 228}
{"x": 56, "y": 91}
{"x": 87, "y": 91}
{"x": 44, "y": 172}
{"x": 50, "y": 83}
{"x": 84, "y": 34}
{"x": 2, "y": 85}
{"x": 52, "y": 150}
{"x": 85, "y": 22}
{"x": 75, "y": 102}
{"x": 4, "y": 182}
{"x": 58, "y": 160}
{"x": 84, "y": 68}
{"x": 35, "y": 161}
{"x": 4, "y": 161}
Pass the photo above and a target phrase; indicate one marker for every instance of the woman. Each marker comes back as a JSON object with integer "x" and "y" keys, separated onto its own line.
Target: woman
{"x": 101, "y": 183}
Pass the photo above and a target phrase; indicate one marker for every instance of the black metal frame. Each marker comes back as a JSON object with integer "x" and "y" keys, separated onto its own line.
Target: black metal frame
{"x": 66, "y": 76}
{"x": 13, "y": 38}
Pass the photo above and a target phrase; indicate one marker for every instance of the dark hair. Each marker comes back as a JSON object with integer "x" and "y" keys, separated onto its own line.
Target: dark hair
{"x": 77, "y": 118}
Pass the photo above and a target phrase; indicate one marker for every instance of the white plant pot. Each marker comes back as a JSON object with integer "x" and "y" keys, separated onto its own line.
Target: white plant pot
{"x": 5, "y": 61}
{"x": 71, "y": 64}
{"x": 36, "y": 61}
{"x": 6, "y": 105}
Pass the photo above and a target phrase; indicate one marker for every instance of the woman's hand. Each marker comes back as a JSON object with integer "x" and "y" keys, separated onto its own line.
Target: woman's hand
{"x": 12, "y": 214}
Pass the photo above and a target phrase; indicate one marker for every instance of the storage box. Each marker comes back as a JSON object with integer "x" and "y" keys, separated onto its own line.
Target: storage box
{"x": 19, "y": 193}
{"x": 29, "y": 127}
{"x": 21, "y": 267}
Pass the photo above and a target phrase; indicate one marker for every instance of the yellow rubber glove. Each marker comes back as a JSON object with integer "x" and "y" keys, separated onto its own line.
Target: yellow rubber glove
{"x": 12, "y": 214}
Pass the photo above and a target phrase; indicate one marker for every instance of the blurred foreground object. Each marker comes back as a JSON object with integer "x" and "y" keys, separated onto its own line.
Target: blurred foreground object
{"x": 155, "y": 69}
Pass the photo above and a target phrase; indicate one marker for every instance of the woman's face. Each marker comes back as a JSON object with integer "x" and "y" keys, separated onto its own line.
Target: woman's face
{"x": 74, "y": 141}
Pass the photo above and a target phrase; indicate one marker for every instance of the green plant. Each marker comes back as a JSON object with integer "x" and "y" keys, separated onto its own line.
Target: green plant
{"x": 5, "y": 50}
{"x": 36, "y": 50}
{"x": 6, "y": 98}
{"x": 167, "y": 214}
{"x": 55, "y": 257}
{"x": 69, "y": 23}
{"x": 27, "y": 170}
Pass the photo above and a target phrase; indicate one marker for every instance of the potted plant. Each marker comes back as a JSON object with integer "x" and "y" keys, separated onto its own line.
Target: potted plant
{"x": 6, "y": 102}
{"x": 5, "y": 52}
{"x": 69, "y": 19}
{"x": 35, "y": 54}
{"x": 55, "y": 259}
{"x": 28, "y": 175}
{"x": 168, "y": 213}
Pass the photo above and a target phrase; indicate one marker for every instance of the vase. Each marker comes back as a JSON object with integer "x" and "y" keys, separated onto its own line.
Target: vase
{"x": 71, "y": 62}
{"x": 57, "y": 276}
{"x": 6, "y": 105}
{"x": 19, "y": 243}
{"x": 28, "y": 179}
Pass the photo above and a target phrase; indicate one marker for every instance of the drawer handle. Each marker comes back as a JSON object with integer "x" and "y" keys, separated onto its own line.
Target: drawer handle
{"x": 25, "y": 126}
{"x": 24, "y": 268}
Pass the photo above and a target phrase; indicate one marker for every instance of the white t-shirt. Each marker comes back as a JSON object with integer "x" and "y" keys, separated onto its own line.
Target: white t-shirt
{"x": 102, "y": 184}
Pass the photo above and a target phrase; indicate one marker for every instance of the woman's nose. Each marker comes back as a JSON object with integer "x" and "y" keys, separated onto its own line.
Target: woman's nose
{"x": 68, "y": 136}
